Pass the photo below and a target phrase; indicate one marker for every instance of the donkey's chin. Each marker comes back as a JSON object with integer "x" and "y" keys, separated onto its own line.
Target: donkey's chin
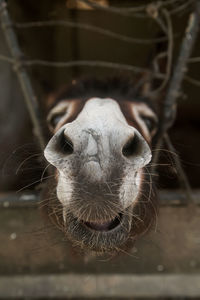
{"x": 100, "y": 236}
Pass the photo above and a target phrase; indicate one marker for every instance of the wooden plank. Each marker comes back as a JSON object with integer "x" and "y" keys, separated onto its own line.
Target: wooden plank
{"x": 31, "y": 199}
{"x": 30, "y": 245}
{"x": 96, "y": 286}
{"x": 14, "y": 200}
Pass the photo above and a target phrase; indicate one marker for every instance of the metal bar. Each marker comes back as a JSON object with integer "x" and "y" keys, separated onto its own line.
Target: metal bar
{"x": 13, "y": 200}
{"x": 89, "y": 286}
{"x": 191, "y": 33}
{"x": 177, "y": 197}
{"x": 88, "y": 27}
{"x": 84, "y": 63}
{"x": 184, "y": 181}
{"x": 170, "y": 102}
{"x": 166, "y": 198}
{"x": 25, "y": 83}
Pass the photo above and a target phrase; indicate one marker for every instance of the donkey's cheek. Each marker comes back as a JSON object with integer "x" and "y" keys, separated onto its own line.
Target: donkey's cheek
{"x": 130, "y": 187}
{"x": 64, "y": 189}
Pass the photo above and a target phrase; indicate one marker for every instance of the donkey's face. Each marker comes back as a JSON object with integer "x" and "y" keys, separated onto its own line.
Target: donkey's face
{"x": 100, "y": 148}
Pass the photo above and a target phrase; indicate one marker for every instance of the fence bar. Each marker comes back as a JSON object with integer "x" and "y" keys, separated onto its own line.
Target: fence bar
{"x": 32, "y": 199}
{"x": 173, "y": 92}
{"x": 188, "y": 42}
{"x": 91, "y": 286}
{"x": 25, "y": 83}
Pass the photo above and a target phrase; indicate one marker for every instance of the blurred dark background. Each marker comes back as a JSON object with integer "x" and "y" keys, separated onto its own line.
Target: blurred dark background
{"x": 65, "y": 43}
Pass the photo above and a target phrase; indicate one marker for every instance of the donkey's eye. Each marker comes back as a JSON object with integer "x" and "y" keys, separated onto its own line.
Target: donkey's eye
{"x": 55, "y": 119}
{"x": 150, "y": 123}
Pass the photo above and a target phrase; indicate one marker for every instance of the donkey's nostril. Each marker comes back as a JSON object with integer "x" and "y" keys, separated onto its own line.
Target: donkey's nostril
{"x": 131, "y": 147}
{"x": 65, "y": 144}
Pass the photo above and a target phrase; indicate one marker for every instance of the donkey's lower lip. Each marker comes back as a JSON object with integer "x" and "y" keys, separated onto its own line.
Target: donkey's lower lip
{"x": 100, "y": 236}
{"x": 104, "y": 226}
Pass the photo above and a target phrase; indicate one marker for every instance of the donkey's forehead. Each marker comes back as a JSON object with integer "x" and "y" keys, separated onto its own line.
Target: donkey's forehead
{"x": 107, "y": 106}
{"x": 94, "y": 103}
{"x": 125, "y": 111}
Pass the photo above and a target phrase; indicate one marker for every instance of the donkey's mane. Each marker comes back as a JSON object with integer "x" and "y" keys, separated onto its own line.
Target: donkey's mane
{"x": 119, "y": 88}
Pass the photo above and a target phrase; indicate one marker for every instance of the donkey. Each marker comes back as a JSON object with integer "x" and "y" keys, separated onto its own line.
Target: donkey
{"x": 101, "y": 196}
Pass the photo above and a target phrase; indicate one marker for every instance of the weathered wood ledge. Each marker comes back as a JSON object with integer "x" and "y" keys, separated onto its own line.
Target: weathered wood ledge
{"x": 32, "y": 199}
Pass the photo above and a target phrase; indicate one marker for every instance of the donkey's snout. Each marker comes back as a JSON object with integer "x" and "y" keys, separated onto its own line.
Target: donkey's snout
{"x": 99, "y": 134}
{"x": 131, "y": 146}
{"x": 65, "y": 144}
{"x": 136, "y": 150}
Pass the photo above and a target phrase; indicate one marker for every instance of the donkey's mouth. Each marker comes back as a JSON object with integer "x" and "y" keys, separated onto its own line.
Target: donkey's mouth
{"x": 105, "y": 226}
{"x": 100, "y": 236}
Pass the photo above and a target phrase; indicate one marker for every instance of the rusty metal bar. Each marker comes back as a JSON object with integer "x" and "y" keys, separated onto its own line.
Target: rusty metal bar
{"x": 191, "y": 33}
{"x": 88, "y": 27}
{"x": 183, "y": 179}
{"x": 25, "y": 83}
{"x": 170, "y": 102}
{"x": 31, "y": 199}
